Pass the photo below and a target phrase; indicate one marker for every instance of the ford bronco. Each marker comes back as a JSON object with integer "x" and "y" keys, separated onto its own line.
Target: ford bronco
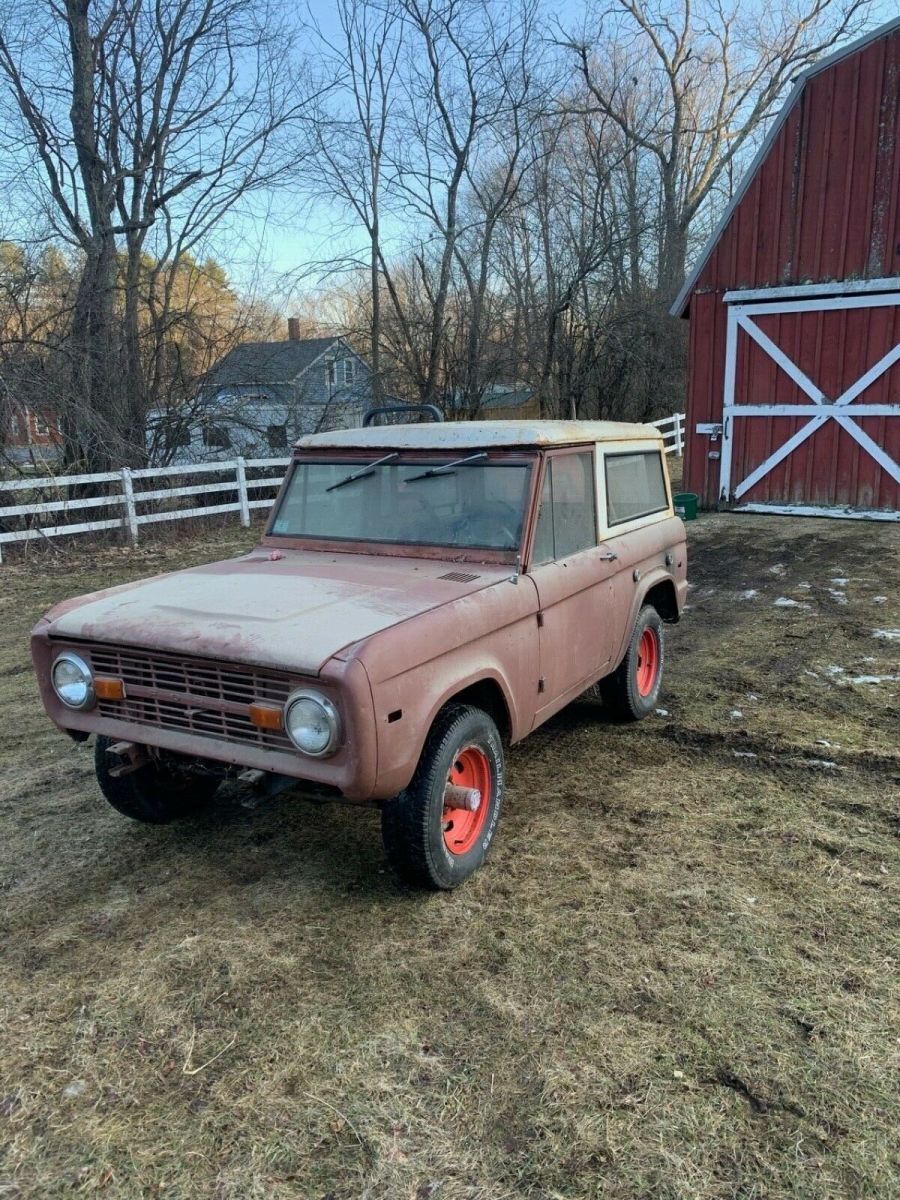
{"x": 423, "y": 597}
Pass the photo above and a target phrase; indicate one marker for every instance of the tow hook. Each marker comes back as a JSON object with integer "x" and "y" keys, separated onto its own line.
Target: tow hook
{"x": 131, "y": 758}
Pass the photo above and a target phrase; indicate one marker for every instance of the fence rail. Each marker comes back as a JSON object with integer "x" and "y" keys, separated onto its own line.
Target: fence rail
{"x": 247, "y": 476}
{"x": 132, "y": 498}
{"x": 672, "y": 430}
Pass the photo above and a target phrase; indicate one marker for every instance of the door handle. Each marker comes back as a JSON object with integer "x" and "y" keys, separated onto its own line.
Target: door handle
{"x": 609, "y": 556}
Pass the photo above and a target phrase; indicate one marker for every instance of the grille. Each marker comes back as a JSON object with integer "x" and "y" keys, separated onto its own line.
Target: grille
{"x": 190, "y": 696}
{"x": 458, "y": 577}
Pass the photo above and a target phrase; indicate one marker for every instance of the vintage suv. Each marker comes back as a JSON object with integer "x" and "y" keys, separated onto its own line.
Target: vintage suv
{"x": 423, "y": 596}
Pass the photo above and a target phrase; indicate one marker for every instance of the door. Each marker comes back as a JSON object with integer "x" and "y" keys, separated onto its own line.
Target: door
{"x": 811, "y": 417}
{"x": 573, "y": 577}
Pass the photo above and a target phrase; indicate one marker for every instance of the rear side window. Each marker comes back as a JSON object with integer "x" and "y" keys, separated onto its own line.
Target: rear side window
{"x": 635, "y": 486}
{"x": 567, "y": 521}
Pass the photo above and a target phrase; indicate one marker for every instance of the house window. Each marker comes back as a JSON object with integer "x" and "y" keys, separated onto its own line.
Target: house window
{"x": 568, "y": 515}
{"x": 41, "y": 428}
{"x": 216, "y": 437}
{"x": 332, "y": 373}
{"x": 348, "y": 370}
{"x": 14, "y": 425}
{"x": 277, "y": 435}
{"x": 635, "y": 486}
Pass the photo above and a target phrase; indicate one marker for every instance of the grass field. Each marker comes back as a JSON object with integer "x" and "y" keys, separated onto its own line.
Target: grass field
{"x": 675, "y": 977}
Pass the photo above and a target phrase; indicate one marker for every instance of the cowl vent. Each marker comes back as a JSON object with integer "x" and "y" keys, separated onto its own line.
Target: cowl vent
{"x": 459, "y": 577}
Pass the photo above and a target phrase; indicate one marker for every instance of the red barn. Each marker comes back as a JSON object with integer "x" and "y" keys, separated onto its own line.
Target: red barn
{"x": 794, "y": 305}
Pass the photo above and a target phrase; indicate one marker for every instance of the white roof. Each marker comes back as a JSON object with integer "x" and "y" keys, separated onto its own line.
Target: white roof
{"x": 683, "y": 298}
{"x": 459, "y": 435}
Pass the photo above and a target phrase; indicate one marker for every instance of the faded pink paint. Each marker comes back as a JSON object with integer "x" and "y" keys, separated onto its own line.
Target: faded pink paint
{"x": 382, "y": 632}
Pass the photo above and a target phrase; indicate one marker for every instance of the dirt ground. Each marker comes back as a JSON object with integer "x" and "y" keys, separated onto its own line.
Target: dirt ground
{"x": 675, "y": 976}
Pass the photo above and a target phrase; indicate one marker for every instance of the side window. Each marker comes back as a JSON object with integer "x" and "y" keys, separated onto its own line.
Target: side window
{"x": 567, "y": 521}
{"x": 635, "y": 486}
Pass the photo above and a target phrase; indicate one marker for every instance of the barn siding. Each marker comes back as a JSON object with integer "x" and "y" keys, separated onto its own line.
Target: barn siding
{"x": 824, "y": 205}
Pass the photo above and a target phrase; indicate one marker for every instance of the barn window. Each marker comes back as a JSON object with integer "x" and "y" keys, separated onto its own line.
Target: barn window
{"x": 277, "y": 435}
{"x": 348, "y": 370}
{"x": 567, "y": 522}
{"x": 635, "y": 486}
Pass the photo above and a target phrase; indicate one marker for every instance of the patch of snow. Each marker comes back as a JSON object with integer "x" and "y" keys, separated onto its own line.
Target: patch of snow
{"x": 662, "y": 712}
{"x": 75, "y": 1089}
{"x": 840, "y": 581}
{"x": 804, "y": 587}
{"x": 879, "y": 599}
{"x": 736, "y": 714}
{"x": 887, "y": 635}
{"x": 841, "y": 597}
{"x": 824, "y": 763}
{"x": 778, "y": 569}
{"x": 743, "y": 754}
{"x": 873, "y": 678}
{"x": 835, "y": 671}
{"x": 752, "y": 696}
{"x": 811, "y": 674}
{"x": 822, "y": 742}
{"x": 749, "y": 594}
{"x": 786, "y": 602}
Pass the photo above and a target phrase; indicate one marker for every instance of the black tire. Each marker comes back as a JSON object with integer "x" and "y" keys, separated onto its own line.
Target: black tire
{"x": 150, "y": 794}
{"x": 413, "y": 824}
{"x": 621, "y": 691}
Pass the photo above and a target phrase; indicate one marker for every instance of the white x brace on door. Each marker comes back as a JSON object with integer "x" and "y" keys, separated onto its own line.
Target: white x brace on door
{"x": 820, "y": 409}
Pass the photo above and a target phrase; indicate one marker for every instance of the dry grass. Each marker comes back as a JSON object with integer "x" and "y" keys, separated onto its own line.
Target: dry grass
{"x": 673, "y": 979}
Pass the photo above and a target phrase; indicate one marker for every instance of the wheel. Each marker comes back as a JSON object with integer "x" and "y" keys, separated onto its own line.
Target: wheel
{"x": 632, "y": 690}
{"x": 150, "y": 794}
{"x": 437, "y": 832}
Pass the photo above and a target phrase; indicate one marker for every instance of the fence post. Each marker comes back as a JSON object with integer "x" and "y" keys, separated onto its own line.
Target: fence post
{"x": 130, "y": 518}
{"x": 679, "y": 435}
{"x": 243, "y": 498}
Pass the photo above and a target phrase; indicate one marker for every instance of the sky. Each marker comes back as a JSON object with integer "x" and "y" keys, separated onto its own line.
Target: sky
{"x": 289, "y": 244}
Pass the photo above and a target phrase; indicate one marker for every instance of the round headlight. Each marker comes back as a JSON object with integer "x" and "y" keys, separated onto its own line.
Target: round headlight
{"x": 312, "y": 723}
{"x": 73, "y": 681}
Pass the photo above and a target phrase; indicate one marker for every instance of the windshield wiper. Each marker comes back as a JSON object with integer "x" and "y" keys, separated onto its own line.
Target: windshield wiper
{"x": 369, "y": 470}
{"x": 446, "y": 468}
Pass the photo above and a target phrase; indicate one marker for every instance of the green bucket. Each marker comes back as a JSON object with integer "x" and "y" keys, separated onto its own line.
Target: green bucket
{"x": 686, "y": 505}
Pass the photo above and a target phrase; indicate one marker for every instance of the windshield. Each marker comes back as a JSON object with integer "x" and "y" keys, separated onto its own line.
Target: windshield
{"x": 434, "y": 502}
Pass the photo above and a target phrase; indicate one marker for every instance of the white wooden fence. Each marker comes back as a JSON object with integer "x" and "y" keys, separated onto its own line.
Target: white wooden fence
{"x": 672, "y": 429}
{"x": 247, "y": 477}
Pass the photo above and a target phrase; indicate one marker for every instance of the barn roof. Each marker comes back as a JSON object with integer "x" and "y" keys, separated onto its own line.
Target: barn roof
{"x": 683, "y": 297}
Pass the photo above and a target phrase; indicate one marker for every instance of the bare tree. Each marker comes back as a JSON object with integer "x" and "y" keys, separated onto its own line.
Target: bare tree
{"x": 139, "y": 126}
{"x": 715, "y": 75}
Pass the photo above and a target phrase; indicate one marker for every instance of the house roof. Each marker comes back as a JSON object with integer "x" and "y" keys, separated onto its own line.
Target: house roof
{"x": 463, "y": 435}
{"x": 267, "y": 362}
{"x": 830, "y": 60}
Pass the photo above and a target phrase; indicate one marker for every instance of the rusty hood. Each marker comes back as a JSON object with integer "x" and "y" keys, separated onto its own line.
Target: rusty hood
{"x": 292, "y": 611}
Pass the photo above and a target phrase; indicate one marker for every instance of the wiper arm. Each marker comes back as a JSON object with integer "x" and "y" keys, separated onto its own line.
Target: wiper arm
{"x": 369, "y": 470}
{"x": 446, "y": 468}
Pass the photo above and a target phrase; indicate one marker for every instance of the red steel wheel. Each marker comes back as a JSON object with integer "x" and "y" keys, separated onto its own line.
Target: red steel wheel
{"x": 648, "y": 661}
{"x": 631, "y": 691}
{"x": 462, "y": 827}
{"x": 438, "y": 830}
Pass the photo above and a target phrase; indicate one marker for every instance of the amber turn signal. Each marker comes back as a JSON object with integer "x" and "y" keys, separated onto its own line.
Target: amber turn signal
{"x": 266, "y": 716}
{"x": 109, "y": 689}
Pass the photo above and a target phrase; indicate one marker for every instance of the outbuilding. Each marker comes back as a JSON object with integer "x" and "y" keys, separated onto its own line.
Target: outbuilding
{"x": 794, "y": 305}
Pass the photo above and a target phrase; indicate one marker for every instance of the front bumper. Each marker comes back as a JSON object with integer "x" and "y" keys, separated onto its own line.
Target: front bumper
{"x": 198, "y": 708}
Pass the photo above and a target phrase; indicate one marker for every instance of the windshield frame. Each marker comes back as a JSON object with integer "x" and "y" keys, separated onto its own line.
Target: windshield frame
{"x": 357, "y": 458}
